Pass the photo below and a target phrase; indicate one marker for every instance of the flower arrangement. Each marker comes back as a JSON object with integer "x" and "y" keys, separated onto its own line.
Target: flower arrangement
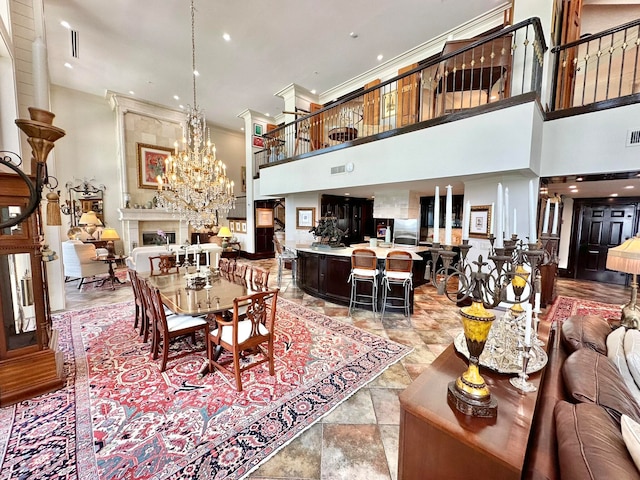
{"x": 162, "y": 238}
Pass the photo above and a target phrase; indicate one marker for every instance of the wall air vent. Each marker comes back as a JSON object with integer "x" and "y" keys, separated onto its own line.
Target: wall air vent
{"x": 74, "y": 44}
{"x": 338, "y": 169}
{"x": 633, "y": 138}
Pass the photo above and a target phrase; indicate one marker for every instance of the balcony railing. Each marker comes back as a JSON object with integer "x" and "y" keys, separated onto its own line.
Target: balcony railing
{"x": 598, "y": 67}
{"x": 467, "y": 74}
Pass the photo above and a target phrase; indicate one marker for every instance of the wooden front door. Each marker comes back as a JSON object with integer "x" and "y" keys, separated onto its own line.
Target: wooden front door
{"x": 571, "y": 10}
{"x": 602, "y": 227}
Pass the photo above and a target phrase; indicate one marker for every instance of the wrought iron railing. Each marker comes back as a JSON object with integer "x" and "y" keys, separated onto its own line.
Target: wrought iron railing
{"x": 598, "y": 67}
{"x": 467, "y": 74}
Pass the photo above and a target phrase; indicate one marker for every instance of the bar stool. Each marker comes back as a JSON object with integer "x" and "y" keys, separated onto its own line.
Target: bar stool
{"x": 398, "y": 267}
{"x": 364, "y": 268}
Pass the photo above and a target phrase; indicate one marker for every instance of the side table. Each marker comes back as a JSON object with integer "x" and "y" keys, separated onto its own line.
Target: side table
{"x": 112, "y": 274}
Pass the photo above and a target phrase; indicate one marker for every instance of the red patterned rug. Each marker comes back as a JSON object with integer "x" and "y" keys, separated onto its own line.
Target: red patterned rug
{"x": 121, "y": 274}
{"x": 120, "y": 417}
{"x": 564, "y": 307}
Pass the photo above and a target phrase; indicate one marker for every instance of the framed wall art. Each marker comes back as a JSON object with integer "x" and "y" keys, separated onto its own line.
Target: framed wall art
{"x": 264, "y": 217}
{"x": 237, "y": 226}
{"x": 480, "y": 219}
{"x": 258, "y": 142}
{"x": 305, "y": 217}
{"x": 244, "y": 227}
{"x": 151, "y": 163}
{"x": 257, "y": 129}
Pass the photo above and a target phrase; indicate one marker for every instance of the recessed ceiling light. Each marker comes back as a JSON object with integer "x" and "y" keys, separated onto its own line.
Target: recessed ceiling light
{"x": 313, "y": 91}
{"x": 353, "y": 35}
{"x": 65, "y": 24}
{"x": 267, "y": 115}
{"x": 579, "y": 179}
{"x": 131, "y": 92}
{"x": 347, "y": 194}
{"x": 181, "y": 106}
{"x": 614, "y": 195}
{"x": 226, "y": 37}
{"x": 68, "y": 65}
{"x": 572, "y": 186}
{"x": 575, "y": 190}
{"x": 380, "y": 57}
{"x": 242, "y": 128}
{"x": 629, "y": 186}
{"x": 176, "y": 97}
{"x": 196, "y": 73}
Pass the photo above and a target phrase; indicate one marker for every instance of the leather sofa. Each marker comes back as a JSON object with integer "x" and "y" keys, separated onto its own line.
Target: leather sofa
{"x": 577, "y": 433}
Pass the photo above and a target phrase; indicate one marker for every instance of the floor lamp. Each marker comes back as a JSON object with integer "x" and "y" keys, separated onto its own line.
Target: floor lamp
{"x": 626, "y": 258}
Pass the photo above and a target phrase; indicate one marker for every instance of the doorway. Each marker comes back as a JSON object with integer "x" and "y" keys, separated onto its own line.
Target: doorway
{"x": 602, "y": 224}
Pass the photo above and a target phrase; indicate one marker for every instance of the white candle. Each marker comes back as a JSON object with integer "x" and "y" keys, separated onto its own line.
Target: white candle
{"x": 527, "y": 325}
{"x": 507, "y": 233}
{"x": 554, "y": 226}
{"x": 197, "y": 255}
{"x": 493, "y": 218}
{"x": 545, "y": 222}
{"x": 436, "y": 217}
{"x": 499, "y": 243}
{"x": 515, "y": 222}
{"x": 533, "y": 205}
{"x": 536, "y": 307}
{"x": 466, "y": 221}
{"x": 40, "y": 76}
{"x": 387, "y": 235}
{"x": 448, "y": 211}
{"x": 208, "y": 259}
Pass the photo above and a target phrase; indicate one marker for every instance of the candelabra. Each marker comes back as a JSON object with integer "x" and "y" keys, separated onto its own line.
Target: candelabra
{"x": 486, "y": 285}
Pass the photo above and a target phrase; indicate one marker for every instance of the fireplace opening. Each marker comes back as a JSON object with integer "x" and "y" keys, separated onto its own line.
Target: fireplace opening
{"x": 152, "y": 238}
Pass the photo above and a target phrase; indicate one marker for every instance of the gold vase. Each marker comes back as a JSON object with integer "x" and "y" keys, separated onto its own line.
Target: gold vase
{"x": 518, "y": 282}
{"x": 469, "y": 393}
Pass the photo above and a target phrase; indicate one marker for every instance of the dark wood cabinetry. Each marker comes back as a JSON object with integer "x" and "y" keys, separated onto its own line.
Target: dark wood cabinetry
{"x": 29, "y": 363}
{"x": 325, "y": 276}
{"x": 355, "y": 215}
{"x": 427, "y": 208}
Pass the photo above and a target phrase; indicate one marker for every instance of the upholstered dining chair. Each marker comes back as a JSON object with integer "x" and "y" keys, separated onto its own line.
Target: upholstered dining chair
{"x": 163, "y": 265}
{"x": 240, "y": 272}
{"x": 227, "y": 266}
{"x": 166, "y": 328}
{"x": 140, "y": 321}
{"x": 249, "y": 334}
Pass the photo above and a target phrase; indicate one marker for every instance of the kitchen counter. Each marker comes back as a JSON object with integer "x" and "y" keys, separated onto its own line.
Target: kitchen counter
{"x": 381, "y": 252}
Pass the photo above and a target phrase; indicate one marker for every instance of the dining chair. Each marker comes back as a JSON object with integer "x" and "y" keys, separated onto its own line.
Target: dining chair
{"x": 245, "y": 336}
{"x": 140, "y": 321}
{"x": 285, "y": 255}
{"x": 227, "y": 266}
{"x": 259, "y": 278}
{"x": 166, "y": 328}
{"x": 163, "y": 265}
{"x": 240, "y": 272}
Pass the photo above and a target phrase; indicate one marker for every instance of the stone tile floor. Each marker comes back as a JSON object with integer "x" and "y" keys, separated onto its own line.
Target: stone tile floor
{"x": 359, "y": 439}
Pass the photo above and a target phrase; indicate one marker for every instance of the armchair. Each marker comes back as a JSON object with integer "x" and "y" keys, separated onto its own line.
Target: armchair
{"x": 78, "y": 261}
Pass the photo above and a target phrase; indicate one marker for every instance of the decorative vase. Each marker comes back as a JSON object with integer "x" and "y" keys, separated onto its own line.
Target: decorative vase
{"x": 518, "y": 282}
{"x": 469, "y": 393}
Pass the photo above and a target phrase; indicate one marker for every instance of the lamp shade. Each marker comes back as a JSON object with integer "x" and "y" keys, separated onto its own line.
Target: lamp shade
{"x": 89, "y": 218}
{"x": 109, "y": 234}
{"x": 625, "y": 257}
{"x": 224, "y": 232}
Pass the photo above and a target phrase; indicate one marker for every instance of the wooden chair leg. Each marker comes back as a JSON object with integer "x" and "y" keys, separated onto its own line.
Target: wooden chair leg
{"x": 236, "y": 368}
{"x": 165, "y": 354}
{"x": 270, "y": 354}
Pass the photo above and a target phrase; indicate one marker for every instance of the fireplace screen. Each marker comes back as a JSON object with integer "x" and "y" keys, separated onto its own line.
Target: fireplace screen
{"x": 153, "y": 238}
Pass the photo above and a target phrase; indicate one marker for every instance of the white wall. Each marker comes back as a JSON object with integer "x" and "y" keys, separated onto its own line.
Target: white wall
{"x": 499, "y": 141}
{"x": 591, "y": 143}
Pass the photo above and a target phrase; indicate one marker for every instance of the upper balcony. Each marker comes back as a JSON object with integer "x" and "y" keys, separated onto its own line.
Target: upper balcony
{"x": 469, "y": 77}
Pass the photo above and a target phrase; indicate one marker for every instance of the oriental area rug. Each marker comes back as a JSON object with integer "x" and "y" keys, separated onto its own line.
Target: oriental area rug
{"x": 120, "y": 417}
{"x": 565, "y": 307}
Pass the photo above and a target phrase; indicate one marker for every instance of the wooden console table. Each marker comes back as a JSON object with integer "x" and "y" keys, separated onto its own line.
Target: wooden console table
{"x": 438, "y": 442}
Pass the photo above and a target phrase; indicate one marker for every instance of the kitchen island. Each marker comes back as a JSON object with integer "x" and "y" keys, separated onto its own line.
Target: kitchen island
{"x": 323, "y": 272}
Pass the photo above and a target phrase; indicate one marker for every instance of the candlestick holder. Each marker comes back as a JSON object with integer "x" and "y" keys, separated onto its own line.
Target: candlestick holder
{"x": 520, "y": 382}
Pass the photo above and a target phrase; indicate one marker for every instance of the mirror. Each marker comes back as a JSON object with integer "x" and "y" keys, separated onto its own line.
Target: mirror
{"x": 7, "y": 212}
{"x": 84, "y": 196}
{"x": 17, "y": 301}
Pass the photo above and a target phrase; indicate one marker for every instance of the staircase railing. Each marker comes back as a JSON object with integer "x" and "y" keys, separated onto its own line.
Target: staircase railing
{"x": 598, "y": 67}
{"x": 467, "y": 74}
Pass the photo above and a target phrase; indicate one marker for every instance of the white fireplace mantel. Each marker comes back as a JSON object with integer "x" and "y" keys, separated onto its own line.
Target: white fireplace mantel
{"x": 131, "y": 218}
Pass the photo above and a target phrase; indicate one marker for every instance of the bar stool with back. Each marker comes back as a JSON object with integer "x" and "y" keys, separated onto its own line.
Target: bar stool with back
{"x": 364, "y": 268}
{"x": 398, "y": 267}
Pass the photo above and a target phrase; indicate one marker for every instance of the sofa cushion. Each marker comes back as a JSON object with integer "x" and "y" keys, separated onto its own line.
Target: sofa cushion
{"x": 631, "y": 437}
{"x": 590, "y": 444}
{"x": 590, "y": 377}
{"x": 632, "y": 353}
{"x": 616, "y": 354}
{"x": 585, "y": 331}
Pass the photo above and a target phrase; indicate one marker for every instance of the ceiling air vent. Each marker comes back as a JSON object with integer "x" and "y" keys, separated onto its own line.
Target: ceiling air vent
{"x": 337, "y": 170}
{"x": 633, "y": 138}
{"x": 74, "y": 44}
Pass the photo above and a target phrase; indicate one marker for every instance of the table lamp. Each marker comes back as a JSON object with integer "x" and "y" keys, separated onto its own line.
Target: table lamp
{"x": 91, "y": 221}
{"x": 626, "y": 258}
{"x": 225, "y": 234}
{"x": 110, "y": 235}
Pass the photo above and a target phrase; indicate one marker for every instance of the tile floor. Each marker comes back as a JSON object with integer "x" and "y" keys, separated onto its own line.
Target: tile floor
{"x": 359, "y": 439}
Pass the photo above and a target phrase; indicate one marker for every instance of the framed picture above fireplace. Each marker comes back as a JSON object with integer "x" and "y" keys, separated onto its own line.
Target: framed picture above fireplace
{"x": 151, "y": 163}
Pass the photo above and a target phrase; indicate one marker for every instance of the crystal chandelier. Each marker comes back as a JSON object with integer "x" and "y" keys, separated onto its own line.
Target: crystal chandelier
{"x": 195, "y": 185}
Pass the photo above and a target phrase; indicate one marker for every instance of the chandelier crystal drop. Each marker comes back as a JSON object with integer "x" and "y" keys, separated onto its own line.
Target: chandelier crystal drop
{"x": 195, "y": 185}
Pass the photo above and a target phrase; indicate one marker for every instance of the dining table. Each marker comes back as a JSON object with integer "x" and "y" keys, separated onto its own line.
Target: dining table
{"x": 215, "y": 297}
